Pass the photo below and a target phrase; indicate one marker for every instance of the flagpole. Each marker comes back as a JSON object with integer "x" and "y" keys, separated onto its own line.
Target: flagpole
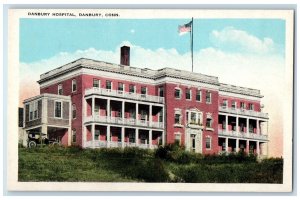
{"x": 192, "y": 44}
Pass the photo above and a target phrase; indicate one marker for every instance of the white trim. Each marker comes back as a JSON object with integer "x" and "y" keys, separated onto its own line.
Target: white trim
{"x": 239, "y": 96}
{"x": 142, "y": 80}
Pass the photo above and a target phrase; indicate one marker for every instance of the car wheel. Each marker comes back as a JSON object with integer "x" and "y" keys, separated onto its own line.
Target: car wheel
{"x": 32, "y": 144}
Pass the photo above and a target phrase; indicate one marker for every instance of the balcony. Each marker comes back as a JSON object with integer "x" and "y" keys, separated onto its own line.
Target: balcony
{"x": 242, "y": 135}
{"x": 125, "y": 121}
{"x": 238, "y": 111}
{"x": 126, "y": 95}
{"x": 112, "y": 144}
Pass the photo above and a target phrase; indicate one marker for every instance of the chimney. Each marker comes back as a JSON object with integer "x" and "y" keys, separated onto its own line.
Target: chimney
{"x": 125, "y": 55}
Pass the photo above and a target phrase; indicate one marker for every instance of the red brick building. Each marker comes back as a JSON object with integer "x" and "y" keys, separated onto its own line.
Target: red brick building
{"x": 98, "y": 104}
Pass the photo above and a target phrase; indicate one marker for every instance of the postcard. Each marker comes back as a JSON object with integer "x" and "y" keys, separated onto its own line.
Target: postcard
{"x": 150, "y": 100}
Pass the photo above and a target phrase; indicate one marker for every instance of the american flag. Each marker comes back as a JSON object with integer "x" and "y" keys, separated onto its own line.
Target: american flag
{"x": 185, "y": 28}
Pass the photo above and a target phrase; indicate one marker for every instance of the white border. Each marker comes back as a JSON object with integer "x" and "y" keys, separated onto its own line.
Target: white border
{"x": 131, "y": 14}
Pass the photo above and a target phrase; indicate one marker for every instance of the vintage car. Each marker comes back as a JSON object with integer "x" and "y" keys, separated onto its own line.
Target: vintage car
{"x": 38, "y": 138}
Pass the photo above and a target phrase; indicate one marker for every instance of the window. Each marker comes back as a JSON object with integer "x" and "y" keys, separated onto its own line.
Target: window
{"x": 143, "y": 115}
{"x": 120, "y": 87}
{"x": 160, "y": 118}
{"x": 74, "y": 85}
{"x": 97, "y": 134}
{"x": 96, "y": 109}
{"x": 188, "y": 94}
{"x": 132, "y": 114}
{"x": 177, "y": 118}
{"x": 177, "y": 138}
{"x": 33, "y": 110}
{"x": 108, "y": 85}
{"x": 144, "y": 91}
{"x": 193, "y": 118}
{"x": 198, "y": 95}
{"x": 74, "y": 135}
{"x": 251, "y": 128}
{"x": 118, "y": 113}
{"x": 251, "y": 106}
{"x": 208, "y": 123}
{"x": 58, "y": 109}
{"x": 161, "y": 91}
{"x": 74, "y": 111}
{"x": 96, "y": 83}
{"x": 60, "y": 89}
{"x": 242, "y": 105}
{"x": 233, "y": 104}
{"x": 177, "y": 93}
{"x": 131, "y": 88}
{"x": 208, "y": 142}
{"x": 208, "y": 97}
{"x": 225, "y": 103}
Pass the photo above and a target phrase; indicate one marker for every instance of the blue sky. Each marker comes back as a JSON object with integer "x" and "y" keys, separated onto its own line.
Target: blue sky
{"x": 45, "y": 38}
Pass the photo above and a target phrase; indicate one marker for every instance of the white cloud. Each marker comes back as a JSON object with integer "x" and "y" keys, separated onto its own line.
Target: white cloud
{"x": 132, "y": 31}
{"x": 238, "y": 40}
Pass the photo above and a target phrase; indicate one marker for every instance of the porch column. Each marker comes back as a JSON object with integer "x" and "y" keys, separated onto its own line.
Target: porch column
{"x": 108, "y": 136}
{"x": 136, "y": 137}
{"x": 226, "y": 144}
{"x": 150, "y": 115}
{"x": 45, "y": 129}
{"x": 93, "y": 107}
{"x": 237, "y": 145}
{"x": 123, "y": 137}
{"x": 163, "y": 138}
{"x": 108, "y": 108}
{"x": 257, "y": 148}
{"x": 123, "y": 111}
{"x": 247, "y": 146}
{"x": 247, "y": 125}
{"x": 93, "y": 135}
{"x": 84, "y": 136}
{"x": 136, "y": 113}
{"x": 150, "y": 139}
{"x": 257, "y": 127}
{"x": 237, "y": 124}
{"x": 226, "y": 121}
{"x": 69, "y": 136}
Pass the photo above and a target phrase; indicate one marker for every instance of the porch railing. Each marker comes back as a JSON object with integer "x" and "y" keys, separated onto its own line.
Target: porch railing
{"x": 125, "y": 121}
{"x": 123, "y": 94}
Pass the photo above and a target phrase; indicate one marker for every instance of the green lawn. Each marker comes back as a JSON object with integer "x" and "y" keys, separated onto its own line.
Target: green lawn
{"x": 137, "y": 165}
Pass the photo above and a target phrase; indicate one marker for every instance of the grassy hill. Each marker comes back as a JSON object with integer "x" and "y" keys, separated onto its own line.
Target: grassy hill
{"x": 168, "y": 164}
